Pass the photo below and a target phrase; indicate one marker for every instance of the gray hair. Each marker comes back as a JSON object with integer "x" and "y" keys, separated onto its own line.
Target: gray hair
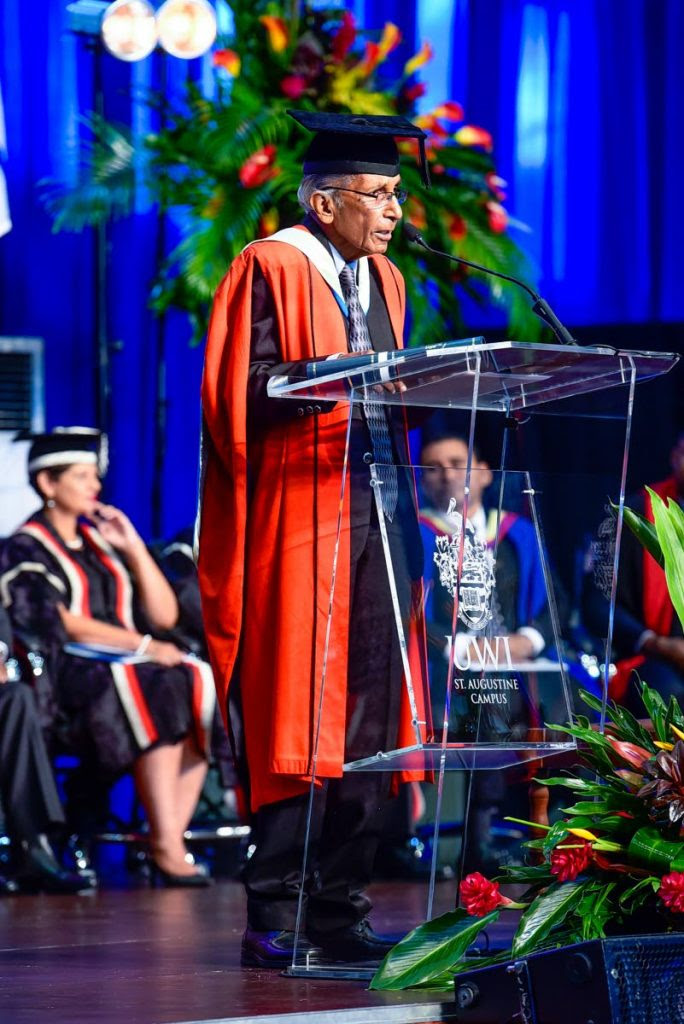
{"x": 311, "y": 183}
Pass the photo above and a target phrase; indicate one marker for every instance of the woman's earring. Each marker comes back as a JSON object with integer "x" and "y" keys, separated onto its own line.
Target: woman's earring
{"x": 51, "y": 503}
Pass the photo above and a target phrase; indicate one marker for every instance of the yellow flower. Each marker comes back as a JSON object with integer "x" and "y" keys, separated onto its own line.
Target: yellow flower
{"x": 422, "y": 57}
{"x": 390, "y": 39}
{"x": 664, "y": 746}
{"x": 678, "y": 732}
{"x": 583, "y": 834}
{"x": 278, "y": 35}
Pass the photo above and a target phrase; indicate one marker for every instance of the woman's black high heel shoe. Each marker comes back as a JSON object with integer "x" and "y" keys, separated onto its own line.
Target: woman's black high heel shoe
{"x": 198, "y": 880}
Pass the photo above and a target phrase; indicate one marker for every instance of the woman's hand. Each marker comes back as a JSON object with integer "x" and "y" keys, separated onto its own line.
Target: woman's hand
{"x": 117, "y": 529}
{"x": 164, "y": 653}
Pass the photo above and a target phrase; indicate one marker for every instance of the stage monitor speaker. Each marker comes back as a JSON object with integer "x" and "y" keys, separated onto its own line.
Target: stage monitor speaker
{"x": 634, "y": 979}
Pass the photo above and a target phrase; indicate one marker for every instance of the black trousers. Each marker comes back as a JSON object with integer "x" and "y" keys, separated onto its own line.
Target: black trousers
{"x": 347, "y": 814}
{"x": 29, "y": 796}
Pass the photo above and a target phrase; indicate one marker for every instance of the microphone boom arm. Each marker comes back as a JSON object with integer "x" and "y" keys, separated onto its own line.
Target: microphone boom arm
{"x": 540, "y": 307}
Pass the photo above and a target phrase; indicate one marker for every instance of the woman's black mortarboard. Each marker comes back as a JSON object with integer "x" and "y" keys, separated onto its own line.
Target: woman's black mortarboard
{"x": 357, "y": 143}
{"x": 65, "y": 446}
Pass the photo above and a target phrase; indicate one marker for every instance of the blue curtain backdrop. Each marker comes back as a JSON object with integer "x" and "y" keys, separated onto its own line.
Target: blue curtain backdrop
{"x": 585, "y": 101}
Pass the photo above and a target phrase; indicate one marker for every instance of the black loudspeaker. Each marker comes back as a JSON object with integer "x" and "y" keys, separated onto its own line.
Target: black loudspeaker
{"x": 634, "y": 979}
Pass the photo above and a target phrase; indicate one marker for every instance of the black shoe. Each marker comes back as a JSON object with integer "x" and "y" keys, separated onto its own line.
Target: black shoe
{"x": 275, "y": 949}
{"x": 40, "y": 871}
{"x": 357, "y": 944}
{"x": 199, "y": 879}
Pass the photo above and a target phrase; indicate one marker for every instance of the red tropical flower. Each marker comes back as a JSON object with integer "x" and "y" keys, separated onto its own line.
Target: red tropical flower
{"x": 344, "y": 38}
{"x": 258, "y": 168}
{"x": 671, "y": 891}
{"x": 414, "y": 92}
{"x": 227, "y": 59}
{"x": 567, "y": 862}
{"x": 479, "y": 895}
{"x": 471, "y": 135}
{"x": 629, "y": 752}
{"x": 449, "y": 110}
{"x": 457, "y": 229}
{"x": 497, "y": 217}
{"x": 293, "y": 86}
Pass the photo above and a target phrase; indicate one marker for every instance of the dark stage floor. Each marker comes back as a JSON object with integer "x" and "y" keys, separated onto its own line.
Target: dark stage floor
{"x": 163, "y": 956}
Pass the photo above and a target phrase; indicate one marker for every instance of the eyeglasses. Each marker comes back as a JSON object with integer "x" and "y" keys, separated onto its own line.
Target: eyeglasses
{"x": 379, "y": 198}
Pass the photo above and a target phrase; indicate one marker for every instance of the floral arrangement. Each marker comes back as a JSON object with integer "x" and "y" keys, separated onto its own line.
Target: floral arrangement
{"x": 615, "y": 860}
{"x": 227, "y": 166}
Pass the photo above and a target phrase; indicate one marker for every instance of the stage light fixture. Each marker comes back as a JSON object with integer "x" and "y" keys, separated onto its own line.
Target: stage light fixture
{"x": 187, "y": 28}
{"x": 129, "y": 29}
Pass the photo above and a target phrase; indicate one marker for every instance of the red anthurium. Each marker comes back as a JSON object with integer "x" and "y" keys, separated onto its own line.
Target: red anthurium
{"x": 293, "y": 86}
{"x": 229, "y": 60}
{"x": 278, "y": 36}
{"x": 457, "y": 228}
{"x": 629, "y": 752}
{"x": 371, "y": 58}
{"x": 470, "y": 135}
{"x": 414, "y": 92}
{"x": 258, "y": 168}
{"x": 671, "y": 891}
{"x": 343, "y": 40}
{"x": 497, "y": 217}
{"x": 450, "y": 111}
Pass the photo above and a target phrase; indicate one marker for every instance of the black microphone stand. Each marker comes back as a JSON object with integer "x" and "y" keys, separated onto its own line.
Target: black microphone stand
{"x": 540, "y": 305}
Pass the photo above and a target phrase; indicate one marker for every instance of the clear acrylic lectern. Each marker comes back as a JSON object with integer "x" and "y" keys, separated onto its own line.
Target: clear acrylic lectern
{"x": 472, "y": 702}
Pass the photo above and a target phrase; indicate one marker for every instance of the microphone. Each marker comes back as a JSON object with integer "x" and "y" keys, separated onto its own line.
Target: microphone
{"x": 540, "y": 306}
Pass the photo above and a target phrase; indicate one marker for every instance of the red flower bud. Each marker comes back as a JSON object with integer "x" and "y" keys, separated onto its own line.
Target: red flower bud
{"x": 258, "y": 168}
{"x": 671, "y": 891}
{"x": 568, "y": 862}
{"x": 343, "y": 40}
{"x": 479, "y": 895}
{"x": 414, "y": 92}
{"x": 293, "y": 86}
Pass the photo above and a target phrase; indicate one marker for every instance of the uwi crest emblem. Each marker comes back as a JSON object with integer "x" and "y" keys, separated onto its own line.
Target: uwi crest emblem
{"x": 477, "y": 571}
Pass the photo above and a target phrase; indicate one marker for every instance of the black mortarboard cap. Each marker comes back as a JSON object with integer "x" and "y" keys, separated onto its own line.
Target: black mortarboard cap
{"x": 357, "y": 143}
{"x": 65, "y": 446}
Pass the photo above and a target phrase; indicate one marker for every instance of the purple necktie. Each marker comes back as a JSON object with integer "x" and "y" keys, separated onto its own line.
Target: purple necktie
{"x": 376, "y": 417}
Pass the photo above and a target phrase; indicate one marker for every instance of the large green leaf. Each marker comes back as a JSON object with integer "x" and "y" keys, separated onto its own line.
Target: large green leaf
{"x": 595, "y": 909}
{"x": 430, "y": 950}
{"x": 546, "y": 912}
{"x": 669, "y": 523}
{"x": 644, "y": 531}
{"x": 630, "y": 729}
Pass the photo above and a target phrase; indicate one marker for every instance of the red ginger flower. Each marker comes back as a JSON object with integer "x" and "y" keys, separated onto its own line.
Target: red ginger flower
{"x": 344, "y": 38}
{"x": 567, "y": 862}
{"x": 293, "y": 86}
{"x": 671, "y": 891}
{"x": 258, "y": 168}
{"x": 479, "y": 895}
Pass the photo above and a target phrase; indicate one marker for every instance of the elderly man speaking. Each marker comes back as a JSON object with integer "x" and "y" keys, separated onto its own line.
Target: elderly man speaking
{"x": 270, "y": 503}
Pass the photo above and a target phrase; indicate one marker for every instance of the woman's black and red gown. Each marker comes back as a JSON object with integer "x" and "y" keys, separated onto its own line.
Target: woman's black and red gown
{"x": 114, "y": 709}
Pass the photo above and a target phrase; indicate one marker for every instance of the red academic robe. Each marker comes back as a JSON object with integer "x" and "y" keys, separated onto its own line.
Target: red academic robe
{"x": 265, "y": 575}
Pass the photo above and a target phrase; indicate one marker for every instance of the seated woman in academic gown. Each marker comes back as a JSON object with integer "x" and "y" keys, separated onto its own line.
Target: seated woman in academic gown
{"x": 80, "y": 585}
